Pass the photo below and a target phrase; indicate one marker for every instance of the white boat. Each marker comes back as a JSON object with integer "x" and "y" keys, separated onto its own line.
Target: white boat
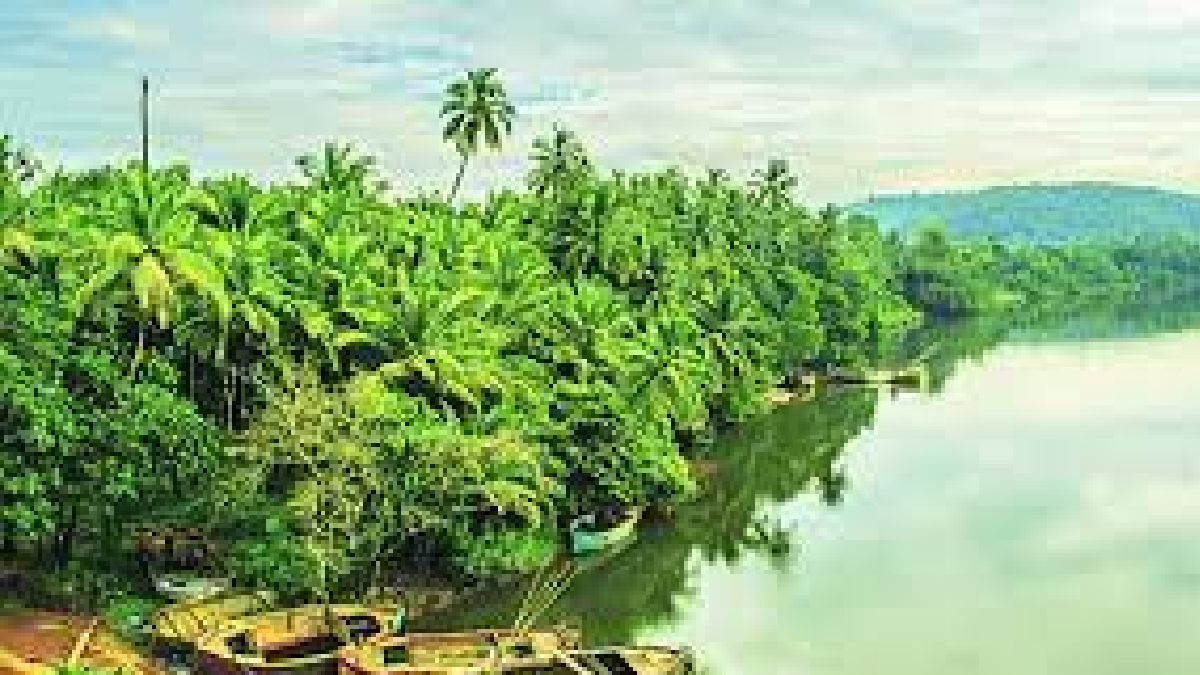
{"x": 183, "y": 587}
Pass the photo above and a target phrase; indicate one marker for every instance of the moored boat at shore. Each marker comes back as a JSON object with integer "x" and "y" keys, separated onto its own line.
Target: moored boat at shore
{"x": 588, "y": 537}
{"x": 511, "y": 652}
{"x": 300, "y": 641}
{"x": 913, "y": 376}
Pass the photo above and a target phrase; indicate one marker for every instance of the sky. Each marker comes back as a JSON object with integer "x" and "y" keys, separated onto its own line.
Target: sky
{"x": 861, "y": 96}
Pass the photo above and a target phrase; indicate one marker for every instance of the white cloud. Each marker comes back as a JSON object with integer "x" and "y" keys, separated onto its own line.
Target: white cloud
{"x": 1123, "y": 510}
{"x": 315, "y": 15}
{"x": 1118, "y": 16}
{"x": 121, "y": 28}
{"x": 864, "y": 95}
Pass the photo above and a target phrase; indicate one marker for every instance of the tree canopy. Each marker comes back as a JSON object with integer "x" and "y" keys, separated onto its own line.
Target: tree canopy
{"x": 472, "y": 377}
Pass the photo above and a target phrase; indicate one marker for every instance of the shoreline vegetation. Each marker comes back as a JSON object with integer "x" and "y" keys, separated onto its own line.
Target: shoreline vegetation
{"x": 334, "y": 385}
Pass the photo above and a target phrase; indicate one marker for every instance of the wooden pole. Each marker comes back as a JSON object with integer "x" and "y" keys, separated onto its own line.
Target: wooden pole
{"x": 82, "y": 642}
{"x": 145, "y": 123}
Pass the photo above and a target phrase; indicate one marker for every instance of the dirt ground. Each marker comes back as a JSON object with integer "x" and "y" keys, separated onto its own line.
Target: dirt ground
{"x": 42, "y": 637}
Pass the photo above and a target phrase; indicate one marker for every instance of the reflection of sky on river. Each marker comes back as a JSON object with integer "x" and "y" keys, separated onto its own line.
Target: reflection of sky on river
{"x": 1040, "y": 516}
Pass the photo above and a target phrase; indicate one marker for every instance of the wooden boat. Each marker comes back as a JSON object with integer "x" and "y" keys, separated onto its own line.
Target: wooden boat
{"x": 627, "y": 660}
{"x": 184, "y": 623}
{"x": 779, "y": 396}
{"x": 784, "y": 396}
{"x": 475, "y": 651}
{"x": 541, "y": 659}
{"x": 458, "y": 652}
{"x": 587, "y": 539}
{"x": 914, "y": 376}
{"x": 800, "y": 378}
{"x": 293, "y": 641}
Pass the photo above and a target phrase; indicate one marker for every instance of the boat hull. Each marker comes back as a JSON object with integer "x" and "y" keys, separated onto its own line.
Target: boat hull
{"x": 586, "y": 542}
{"x": 606, "y": 661}
{"x": 211, "y": 664}
{"x": 318, "y": 648}
{"x": 457, "y": 653}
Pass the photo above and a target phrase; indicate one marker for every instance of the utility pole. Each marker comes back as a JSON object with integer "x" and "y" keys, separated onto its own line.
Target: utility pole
{"x": 145, "y": 124}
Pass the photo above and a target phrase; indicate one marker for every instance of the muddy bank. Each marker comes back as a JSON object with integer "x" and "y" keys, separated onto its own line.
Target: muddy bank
{"x": 33, "y": 639}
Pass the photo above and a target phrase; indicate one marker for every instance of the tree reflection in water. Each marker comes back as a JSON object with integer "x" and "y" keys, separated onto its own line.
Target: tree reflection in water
{"x": 770, "y": 460}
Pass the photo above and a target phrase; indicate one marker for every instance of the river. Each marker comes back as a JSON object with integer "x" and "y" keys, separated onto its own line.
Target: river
{"x": 1037, "y": 513}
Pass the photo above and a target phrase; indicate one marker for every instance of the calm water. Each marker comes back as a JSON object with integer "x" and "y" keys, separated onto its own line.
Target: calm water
{"x": 1038, "y": 514}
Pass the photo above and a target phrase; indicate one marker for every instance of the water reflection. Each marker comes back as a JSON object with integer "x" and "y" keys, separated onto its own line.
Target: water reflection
{"x": 1036, "y": 513}
{"x": 792, "y": 451}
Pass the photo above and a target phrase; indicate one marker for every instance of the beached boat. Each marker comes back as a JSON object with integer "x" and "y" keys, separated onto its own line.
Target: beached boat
{"x": 178, "y": 626}
{"x": 784, "y": 396}
{"x": 474, "y": 651}
{"x": 289, "y": 642}
{"x": 587, "y": 538}
{"x": 800, "y": 378}
{"x": 625, "y": 661}
{"x": 186, "y": 587}
{"x": 779, "y": 396}
{"x": 466, "y": 655}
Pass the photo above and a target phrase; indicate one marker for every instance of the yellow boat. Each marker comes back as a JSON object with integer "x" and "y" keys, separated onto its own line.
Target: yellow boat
{"x": 300, "y": 641}
{"x": 544, "y": 652}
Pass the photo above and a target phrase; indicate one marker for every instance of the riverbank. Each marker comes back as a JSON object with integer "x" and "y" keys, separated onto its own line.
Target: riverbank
{"x": 33, "y": 640}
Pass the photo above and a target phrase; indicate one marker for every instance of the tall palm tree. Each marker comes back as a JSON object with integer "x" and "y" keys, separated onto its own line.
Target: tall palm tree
{"x": 258, "y": 297}
{"x": 476, "y": 107}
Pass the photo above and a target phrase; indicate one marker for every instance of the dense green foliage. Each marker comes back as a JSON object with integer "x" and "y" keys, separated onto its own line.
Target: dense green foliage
{"x": 1042, "y": 213}
{"x": 330, "y": 377}
{"x": 508, "y": 365}
{"x": 954, "y": 278}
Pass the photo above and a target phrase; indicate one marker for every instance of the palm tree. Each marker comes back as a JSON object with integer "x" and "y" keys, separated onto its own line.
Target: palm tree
{"x": 776, "y": 181}
{"x": 16, "y": 165}
{"x": 476, "y": 107}
{"x": 336, "y": 168}
{"x": 234, "y": 204}
{"x": 442, "y": 335}
{"x": 557, "y": 160}
{"x": 259, "y": 299}
{"x": 144, "y": 237}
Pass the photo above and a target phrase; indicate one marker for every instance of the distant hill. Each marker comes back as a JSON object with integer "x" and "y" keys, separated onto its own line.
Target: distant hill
{"x": 1041, "y": 212}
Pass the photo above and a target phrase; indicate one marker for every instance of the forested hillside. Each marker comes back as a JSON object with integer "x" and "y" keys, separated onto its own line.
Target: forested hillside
{"x": 1041, "y": 212}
